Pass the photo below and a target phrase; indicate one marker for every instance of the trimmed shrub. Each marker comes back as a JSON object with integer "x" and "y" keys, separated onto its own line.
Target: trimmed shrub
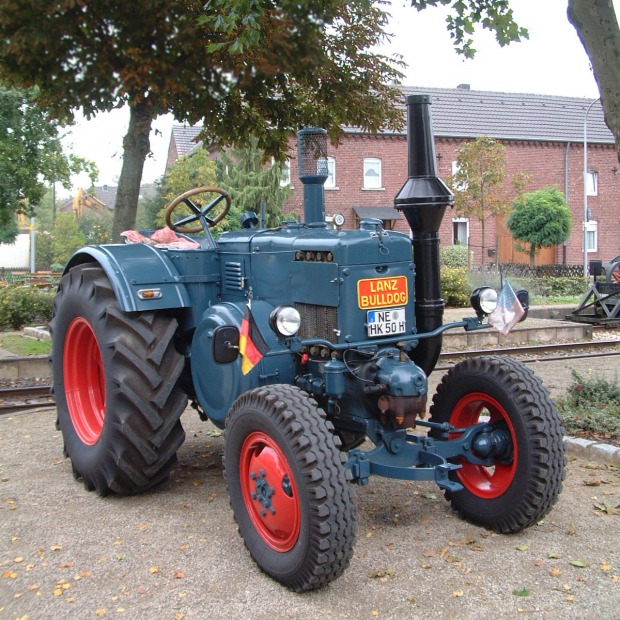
{"x": 455, "y": 286}
{"x": 453, "y": 256}
{"x": 25, "y": 306}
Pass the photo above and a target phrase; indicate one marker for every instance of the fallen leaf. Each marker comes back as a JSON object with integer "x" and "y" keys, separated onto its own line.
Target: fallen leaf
{"x": 458, "y": 593}
{"x": 522, "y": 547}
{"x": 154, "y": 570}
{"x": 580, "y": 563}
{"x": 572, "y": 529}
{"x": 606, "y": 567}
{"x": 100, "y": 612}
{"x": 554, "y": 555}
{"x": 179, "y": 575}
{"x": 555, "y": 572}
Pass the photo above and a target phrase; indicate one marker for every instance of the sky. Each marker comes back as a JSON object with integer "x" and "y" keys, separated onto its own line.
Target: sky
{"x": 551, "y": 62}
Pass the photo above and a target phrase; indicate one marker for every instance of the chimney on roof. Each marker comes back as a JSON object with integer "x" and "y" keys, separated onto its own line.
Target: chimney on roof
{"x": 464, "y": 86}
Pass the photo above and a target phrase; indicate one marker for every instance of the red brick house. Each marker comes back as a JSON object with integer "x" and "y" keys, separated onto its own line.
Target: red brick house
{"x": 543, "y": 135}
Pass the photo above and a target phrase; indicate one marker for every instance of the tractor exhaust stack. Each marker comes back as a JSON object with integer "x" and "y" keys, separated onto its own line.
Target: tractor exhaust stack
{"x": 423, "y": 200}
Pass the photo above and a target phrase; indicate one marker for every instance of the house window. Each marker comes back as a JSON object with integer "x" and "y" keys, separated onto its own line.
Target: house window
{"x": 331, "y": 173}
{"x": 285, "y": 169}
{"x": 592, "y": 183}
{"x": 460, "y": 231}
{"x": 592, "y": 236}
{"x": 460, "y": 185}
{"x": 372, "y": 173}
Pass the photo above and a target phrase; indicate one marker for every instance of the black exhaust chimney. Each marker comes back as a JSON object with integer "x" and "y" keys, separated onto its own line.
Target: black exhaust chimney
{"x": 423, "y": 200}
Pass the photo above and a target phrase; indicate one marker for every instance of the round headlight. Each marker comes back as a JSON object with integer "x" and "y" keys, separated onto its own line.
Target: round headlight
{"x": 285, "y": 321}
{"x": 484, "y": 300}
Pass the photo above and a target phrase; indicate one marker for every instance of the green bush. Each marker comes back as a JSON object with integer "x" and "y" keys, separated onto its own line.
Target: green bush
{"x": 24, "y": 306}
{"x": 454, "y": 256}
{"x": 455, "y": 287}
{"x": 592, "y": 406}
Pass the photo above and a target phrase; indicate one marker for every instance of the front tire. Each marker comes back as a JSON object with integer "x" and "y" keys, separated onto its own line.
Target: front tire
{"x": 288, "y": 487}
{"x": 520, "y": 488}
{"x": 115, "y": 381}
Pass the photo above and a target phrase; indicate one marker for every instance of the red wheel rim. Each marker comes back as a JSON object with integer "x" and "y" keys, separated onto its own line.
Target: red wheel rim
{"x": 485, "y": 482}
{"x": 269, "y": 492}
{"x": 84, "y": 381}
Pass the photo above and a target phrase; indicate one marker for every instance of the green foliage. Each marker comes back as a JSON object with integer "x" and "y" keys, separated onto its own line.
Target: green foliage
{"x": 592, "y": 406}
{"x": 187, "y": 172}
{"x": 66, "y": 237}
{"x": 558, "y": 287}
{"x": 9, "y": 231}
{"x": 31, "y": 154}
{"x": 455, "y": 287}
{"x": 496, "y": 16}
{"x": 97, "y": 228}
{"x": 149, "y": 209}
{"x": 43, "y": 251}
{"x": 541, "y": 219}
{"x": 24, "y": 306}
{"x": 241, "y": 68}
{"x": 479, "y": 182}
{"x": 250, "y": 182}
{"x": 454, "y": 256}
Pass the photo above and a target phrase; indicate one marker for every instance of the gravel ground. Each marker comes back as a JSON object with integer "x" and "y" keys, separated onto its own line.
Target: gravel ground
{"x": 174, "y": 553}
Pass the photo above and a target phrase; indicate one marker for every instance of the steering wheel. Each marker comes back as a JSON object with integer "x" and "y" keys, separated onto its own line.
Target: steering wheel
{"x": 199, "y": 213}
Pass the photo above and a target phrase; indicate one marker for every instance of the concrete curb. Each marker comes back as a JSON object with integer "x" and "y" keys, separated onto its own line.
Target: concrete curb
{"x": 593, "y": 450}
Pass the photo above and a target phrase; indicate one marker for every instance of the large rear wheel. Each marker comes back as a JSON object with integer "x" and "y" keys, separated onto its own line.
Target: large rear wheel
{"x": 288, "y": 487}
{"x": 115, "y": 379}
{"x": 524, "y": 481}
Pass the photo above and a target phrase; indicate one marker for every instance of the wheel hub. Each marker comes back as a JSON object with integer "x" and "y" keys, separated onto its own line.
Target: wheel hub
{"x": 263, "y": 492}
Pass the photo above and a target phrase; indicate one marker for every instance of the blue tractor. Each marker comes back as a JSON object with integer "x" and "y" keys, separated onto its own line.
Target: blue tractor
{"x": 311, "y": 347}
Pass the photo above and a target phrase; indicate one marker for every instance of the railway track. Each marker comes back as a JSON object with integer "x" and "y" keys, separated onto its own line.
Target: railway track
{"x": 16, "y": 399}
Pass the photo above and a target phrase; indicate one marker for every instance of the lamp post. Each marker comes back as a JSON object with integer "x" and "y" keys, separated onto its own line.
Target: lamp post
{"x": 585, "y": 189}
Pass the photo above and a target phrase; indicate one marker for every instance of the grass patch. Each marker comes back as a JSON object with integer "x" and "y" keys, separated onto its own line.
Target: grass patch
{"x": 23, "y": 345}
{"x": 591, "y": 407}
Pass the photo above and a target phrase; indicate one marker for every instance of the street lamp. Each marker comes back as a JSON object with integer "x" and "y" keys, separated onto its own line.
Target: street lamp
{"x": 585, "y": 189}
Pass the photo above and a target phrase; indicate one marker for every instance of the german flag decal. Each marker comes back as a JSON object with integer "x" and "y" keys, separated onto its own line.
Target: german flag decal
{"x": 251, "y": 344}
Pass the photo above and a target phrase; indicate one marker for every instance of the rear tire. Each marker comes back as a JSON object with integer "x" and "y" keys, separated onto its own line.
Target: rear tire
{"x": 116, "y": 385}
{"x": 523, "y": 486}
{"x": 288, "y": 487}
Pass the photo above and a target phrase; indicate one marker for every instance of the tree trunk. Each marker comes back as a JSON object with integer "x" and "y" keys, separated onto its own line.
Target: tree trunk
{"x": 597, "y": 27}
{"x": 136, "y": 147}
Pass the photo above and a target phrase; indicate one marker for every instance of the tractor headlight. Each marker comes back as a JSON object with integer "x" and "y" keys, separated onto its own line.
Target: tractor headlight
{"x": 483, "y": 300}
{"x": 285, "y": 321}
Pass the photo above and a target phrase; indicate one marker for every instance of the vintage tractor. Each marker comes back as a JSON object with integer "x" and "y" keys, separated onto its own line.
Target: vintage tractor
{"x": 302, "y": 342}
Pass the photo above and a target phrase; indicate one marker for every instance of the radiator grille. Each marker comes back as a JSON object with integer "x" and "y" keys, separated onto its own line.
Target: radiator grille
{"x": 318, "y": 321}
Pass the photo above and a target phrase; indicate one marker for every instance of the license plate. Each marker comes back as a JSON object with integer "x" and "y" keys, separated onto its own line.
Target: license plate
{"x": 386, "y": 322}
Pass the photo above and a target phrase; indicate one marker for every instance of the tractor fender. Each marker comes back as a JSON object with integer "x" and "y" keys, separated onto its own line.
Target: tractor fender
{"x": 217, "y": 383}
{"x": 133, "y": 269}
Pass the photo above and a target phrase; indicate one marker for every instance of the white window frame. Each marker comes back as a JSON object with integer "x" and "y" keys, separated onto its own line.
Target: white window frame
{"x": 331, "y": 173}
{"x": 373, "y": 181}
{"x": 461, "y": 187}
{"x": 592, "y": 235}
{"x": 592, "y": 183}
{"x": 285, "y": 179}
{"x": 461, "y": 220}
